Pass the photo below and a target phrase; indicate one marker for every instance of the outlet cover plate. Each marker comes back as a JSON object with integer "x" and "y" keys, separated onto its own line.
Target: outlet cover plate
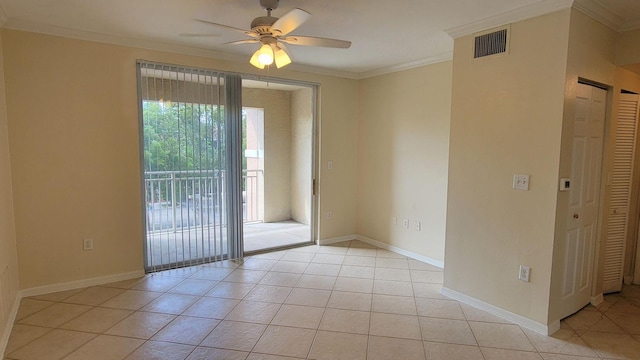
{"x": 525, "y": 272}
{"x": 521, "y": 182}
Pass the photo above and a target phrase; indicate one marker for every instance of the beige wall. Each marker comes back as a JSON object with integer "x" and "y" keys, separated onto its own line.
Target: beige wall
{"x": 403, "y": 147}
{"x": 301, "y": 151}
{"x": 344, "y": 157}
{"x": 277, "y": 149}
{"x": 72, "y": 110}
{"x": 628, "y": 48}
{"x": 506, "y": 119}
{"x": 8, "y": 252}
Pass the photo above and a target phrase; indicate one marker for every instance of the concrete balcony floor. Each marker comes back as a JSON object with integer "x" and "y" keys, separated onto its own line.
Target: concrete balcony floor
{"x": 204, "y": 244}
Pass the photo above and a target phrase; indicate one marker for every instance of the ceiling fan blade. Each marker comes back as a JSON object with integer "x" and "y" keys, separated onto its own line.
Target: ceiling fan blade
{"x": 239, "y": 42}
{"x": 316, "y": 41}
{"x": 283, "y": 47}
{"x": 290, "y": 21}
{"x": 246, "y": 32}
{"x": 198, "y": 35}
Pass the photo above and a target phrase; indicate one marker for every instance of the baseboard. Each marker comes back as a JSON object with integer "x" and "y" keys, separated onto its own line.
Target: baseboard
{"x": 400, "y": 251}
{"x": 597, "y": 299}
{"x": 4, "y": 340}
{"x": 71, "y": 285}
{"x": 507, "y": 315}
{"x": 336, "y": 239}
{"x": 48, "y": 289}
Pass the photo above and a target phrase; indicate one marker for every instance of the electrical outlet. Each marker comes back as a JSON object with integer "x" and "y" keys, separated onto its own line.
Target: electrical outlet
{"x": 395, "y": 220}
{"x": 405, "y": 223}
{"x": 521, "y": 182}
{"x": 418, "y": 226}
{"x": 87, "y": 244}
{"x": 329, "y": 215}
{"x": 525, "y": 271}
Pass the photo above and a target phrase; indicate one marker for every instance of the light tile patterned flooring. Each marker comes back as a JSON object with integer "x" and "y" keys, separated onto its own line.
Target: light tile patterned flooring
{"x": 347, "y": 301}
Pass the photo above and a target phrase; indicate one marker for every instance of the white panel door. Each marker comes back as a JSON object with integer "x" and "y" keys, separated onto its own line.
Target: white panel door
{"x": 582, "y": 219}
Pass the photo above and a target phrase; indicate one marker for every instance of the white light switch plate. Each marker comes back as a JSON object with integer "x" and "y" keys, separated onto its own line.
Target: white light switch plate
{"x": 521, "y": 182}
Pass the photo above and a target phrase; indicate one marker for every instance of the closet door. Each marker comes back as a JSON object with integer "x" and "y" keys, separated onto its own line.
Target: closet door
{"x": 620, "y": 193}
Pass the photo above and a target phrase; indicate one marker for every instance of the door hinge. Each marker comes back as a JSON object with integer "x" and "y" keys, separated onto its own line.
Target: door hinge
{"x": 314, "y": 186}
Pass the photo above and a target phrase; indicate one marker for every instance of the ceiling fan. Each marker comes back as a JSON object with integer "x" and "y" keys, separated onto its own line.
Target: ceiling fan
{"x": 272, "y": 33}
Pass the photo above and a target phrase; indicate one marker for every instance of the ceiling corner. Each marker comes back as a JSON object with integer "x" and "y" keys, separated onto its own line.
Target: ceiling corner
{"x": 526, "y": 12}
{"x": 324, "y": 71}
{"x": 630, "y": 25}
{"x": 400, "y": 67}
{"x": 599, "y": 13}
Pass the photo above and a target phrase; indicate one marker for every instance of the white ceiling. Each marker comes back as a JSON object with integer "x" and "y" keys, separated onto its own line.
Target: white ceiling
{"x": 385, "y": 34}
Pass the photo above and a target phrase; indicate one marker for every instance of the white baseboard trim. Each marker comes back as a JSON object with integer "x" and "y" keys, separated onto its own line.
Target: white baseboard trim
{"x": 48, "y": 289}
{"x": 507, "y": 315}
{"x": 71, "y": 285}
{"x": 4, "y": 340}
{"x": 400, "y": 251}
{"x": 336, "y": 239}
{"x": 597, "y": 299}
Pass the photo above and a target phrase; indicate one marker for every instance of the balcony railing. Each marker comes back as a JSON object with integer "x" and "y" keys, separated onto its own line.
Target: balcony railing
{"x": 184, "y": 200}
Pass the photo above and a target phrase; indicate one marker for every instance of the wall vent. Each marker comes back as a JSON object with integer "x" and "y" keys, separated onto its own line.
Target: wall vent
{"x": 492, "y": 43}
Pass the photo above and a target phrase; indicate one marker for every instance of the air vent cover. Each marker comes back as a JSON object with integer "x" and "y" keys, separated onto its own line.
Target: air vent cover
{"x": 491, "y": 43}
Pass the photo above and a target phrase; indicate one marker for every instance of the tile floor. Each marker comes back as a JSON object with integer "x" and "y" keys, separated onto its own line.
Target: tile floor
{"x": 348, "y": 301}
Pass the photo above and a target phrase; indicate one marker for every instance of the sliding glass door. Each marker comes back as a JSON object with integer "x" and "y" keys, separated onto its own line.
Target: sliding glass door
{"x": 227, "y": 165}
{"x": 278, "y": 122}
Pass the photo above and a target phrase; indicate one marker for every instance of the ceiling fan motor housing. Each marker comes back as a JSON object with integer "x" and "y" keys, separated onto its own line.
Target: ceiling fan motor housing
{"x": 262, "y": 24}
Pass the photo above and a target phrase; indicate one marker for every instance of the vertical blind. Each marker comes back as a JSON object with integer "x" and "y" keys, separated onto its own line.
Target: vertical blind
{"x": 186, "y": 127}
{"x": 234, "y": 164}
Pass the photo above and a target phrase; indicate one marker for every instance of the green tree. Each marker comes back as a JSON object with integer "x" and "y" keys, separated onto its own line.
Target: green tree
{"x": 183, "y": 137}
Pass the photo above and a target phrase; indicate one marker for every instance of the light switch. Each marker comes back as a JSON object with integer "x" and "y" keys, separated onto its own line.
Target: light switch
{"x": 521, "y": 182}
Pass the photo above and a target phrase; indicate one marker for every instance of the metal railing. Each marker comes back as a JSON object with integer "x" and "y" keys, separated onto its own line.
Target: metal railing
{"x": 184, "y": 200}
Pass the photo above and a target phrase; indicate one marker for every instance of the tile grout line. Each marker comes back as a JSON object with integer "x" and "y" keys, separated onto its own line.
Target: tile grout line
{"x": 579, "y": 334}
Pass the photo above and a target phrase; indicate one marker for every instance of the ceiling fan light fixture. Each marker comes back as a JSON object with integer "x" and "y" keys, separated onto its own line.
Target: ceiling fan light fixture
{"x": 254, "y": 61}
{"x": 282, "y": 58}
{"x": 271, "y": 33}
{"x": 265, "y": 54}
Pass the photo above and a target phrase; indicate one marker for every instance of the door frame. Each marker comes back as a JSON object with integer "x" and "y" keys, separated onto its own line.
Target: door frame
{"x": 314, "y": 218}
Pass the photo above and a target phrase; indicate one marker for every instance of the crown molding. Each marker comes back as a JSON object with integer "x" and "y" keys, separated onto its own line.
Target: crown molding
{"x": 157, "y": 46}
{"x": 406, "y": 66}
{"x": 630, "y": 25}
{"x": 321, "y": 71}
{"x": 599, "y": 13}
{"x": 28, "y": 26}
{"x": 526, "y": 12}
{"x": 195, "y": 51}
